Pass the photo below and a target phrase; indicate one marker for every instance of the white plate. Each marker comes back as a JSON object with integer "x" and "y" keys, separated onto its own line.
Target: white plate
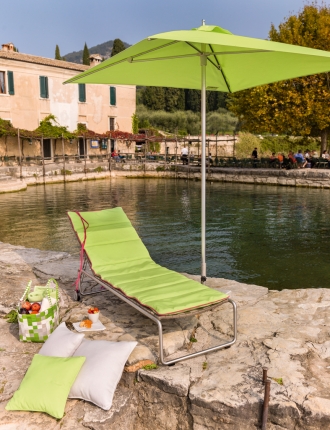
{"x": 98, "y": 326}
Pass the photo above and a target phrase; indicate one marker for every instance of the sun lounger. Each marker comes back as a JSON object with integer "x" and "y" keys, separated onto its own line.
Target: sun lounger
{"x": 120, "y": 263}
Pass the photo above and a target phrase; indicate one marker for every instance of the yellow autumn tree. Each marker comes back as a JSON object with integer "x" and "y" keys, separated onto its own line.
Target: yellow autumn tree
{"x": 298, "y": 107}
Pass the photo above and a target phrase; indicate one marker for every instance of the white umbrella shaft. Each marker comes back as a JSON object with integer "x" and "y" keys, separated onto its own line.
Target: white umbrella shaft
{"x": 203, "y": 166}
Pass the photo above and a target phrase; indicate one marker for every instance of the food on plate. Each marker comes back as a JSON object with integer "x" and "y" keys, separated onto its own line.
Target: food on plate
{"x": 34, "y": 312}
{"x": 93, "y": 310}
{"x": 26, "y": 305}
{"x": 86, "y": 323}
{"x": 35, "y": 307}
{"x": 23, "y": 311}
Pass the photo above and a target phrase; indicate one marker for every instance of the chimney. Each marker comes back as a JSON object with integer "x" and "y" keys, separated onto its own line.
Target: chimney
{"x": 95, "y": 59}
{"x": 8, "y": 47}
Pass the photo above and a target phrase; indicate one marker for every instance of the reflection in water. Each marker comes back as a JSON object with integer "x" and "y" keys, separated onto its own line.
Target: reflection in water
{"x": 276, "y": 237}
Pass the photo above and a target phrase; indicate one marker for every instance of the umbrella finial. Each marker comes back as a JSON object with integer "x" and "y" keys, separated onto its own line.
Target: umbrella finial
{"x": 203, "y": 21}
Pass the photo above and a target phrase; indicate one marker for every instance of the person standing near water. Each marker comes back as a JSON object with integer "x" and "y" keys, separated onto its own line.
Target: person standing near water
{"x": 254, "y": 156}
{"x": 184, "y": 155}
{"x": 254, "y": 153}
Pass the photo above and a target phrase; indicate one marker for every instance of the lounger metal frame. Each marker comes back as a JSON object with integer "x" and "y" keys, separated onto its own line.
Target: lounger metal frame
{"x": 155, "y": 317}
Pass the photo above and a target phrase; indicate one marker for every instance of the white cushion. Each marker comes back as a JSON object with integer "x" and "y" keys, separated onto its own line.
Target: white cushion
{"x": 61, "y": 343}
{"x": 45, "y": 303}
{"x": 101, "y": 372}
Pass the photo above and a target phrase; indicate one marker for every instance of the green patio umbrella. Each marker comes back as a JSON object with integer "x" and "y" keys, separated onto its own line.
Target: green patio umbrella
{"x": 206, "y": 58}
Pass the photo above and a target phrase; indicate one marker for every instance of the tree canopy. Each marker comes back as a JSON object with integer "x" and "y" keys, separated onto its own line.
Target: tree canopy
{"x": 85, "y": 58}
{"x": 297, "y": 107}
{"x": 173, "y": 99}
{"x": 117, "y": 47}
{"x": 58, "y": 54}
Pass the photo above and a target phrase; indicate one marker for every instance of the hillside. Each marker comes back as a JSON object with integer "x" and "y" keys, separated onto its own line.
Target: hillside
{"x": 104, "y": 49}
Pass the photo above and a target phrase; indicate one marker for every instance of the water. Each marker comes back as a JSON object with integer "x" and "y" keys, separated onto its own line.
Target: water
{"x": 270, "y": 236}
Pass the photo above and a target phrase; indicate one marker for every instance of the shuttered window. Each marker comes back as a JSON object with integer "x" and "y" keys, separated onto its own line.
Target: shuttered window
{"x": 11, "y": 88}
{"x": 43, "y": 87}
{"x": 2, "y": 83}
{"x": 112, "y": 96}
{"x": 82, "y": 93}
{"x": 111, "y": 124}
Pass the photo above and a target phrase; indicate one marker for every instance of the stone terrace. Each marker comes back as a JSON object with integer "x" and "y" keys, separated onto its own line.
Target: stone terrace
{"x": 286, "y": 331}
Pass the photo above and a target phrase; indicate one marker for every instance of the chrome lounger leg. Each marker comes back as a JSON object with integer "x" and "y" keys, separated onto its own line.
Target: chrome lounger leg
{"x": 204, "y": 351}
{"x": 145, "y": 312}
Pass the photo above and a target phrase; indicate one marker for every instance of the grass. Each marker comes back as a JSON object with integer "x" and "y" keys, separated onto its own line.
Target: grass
{"x": 278, "y": 380}
{"x": 150, "y": 366}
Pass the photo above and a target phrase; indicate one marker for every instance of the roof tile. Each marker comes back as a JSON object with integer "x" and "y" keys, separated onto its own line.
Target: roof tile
{"x": 17, "y": 56}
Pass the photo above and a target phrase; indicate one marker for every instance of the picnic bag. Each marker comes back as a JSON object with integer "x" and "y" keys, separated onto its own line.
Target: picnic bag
{"x": 37, "y": 327}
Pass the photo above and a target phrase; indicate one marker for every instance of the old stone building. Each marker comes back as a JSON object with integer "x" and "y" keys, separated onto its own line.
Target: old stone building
{"x": 31, "y": 88}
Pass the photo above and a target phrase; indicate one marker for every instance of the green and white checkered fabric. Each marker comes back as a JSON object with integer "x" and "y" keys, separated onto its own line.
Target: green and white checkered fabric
{"x": 37, "y": 327}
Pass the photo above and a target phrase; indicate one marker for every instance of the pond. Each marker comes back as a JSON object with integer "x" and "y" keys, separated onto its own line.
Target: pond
{"x": 276, "y": 237}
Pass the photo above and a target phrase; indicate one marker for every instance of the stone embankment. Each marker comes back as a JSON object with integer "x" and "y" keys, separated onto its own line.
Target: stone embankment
{"x": 287, "y": 331}
{"x": 12, "y": 179}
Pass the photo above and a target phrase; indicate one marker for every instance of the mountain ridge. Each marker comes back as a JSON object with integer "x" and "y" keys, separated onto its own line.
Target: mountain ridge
{"x": 104, "y": 49}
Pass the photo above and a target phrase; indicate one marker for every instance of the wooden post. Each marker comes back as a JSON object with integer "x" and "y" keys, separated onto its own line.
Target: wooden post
{"x": 64, "y": 167}
{"x": 216, "y": 147}
{"x": 145, "y": 152}
{"x": 19, "y": 155}
{"x": 85, "y": 153}
{"x": 109, "y": 153}
{"x": 176, "y": 153}
{"x": 198, "y": 147}
{"x": 43, "y": 158}
{"x": 208, "y": 157}
{"x": 234, "y": 142}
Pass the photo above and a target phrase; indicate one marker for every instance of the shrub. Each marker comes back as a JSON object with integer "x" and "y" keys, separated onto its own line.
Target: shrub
{"x": 246, "y": 144}
{"x": 66, "y": 172}
{"x": 186, "y": 122}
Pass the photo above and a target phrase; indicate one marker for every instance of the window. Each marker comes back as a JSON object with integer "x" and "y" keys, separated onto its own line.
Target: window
{"x": 82, "y": 93}
{"x": 10, "y": 77}
{"x": 2, "y": 83}
{"x": 111, "y": 124}
{"x": 43, "y": 87}
{"x": 112, "y": 96}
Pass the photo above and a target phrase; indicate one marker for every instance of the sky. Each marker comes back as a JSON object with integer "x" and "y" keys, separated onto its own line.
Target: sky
{"x": 36, "y": 26}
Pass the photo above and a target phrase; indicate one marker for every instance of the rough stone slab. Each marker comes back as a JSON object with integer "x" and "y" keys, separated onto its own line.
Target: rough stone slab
{"x": 174, "y": 380}
{"x": 287, "y": 331}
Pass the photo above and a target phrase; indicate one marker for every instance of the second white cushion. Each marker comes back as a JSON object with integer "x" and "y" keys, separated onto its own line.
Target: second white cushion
{"x": 101, "y": 372}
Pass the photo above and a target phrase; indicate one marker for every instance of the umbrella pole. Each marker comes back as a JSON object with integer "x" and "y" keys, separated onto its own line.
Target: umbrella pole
{"x": 203, "y": 166}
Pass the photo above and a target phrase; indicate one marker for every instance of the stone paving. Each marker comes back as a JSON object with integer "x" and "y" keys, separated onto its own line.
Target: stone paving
{"x": 287, "y": 331}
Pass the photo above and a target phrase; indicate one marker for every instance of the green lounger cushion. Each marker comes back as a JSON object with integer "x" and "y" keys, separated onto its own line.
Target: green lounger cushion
{"x": 119, "y": 257}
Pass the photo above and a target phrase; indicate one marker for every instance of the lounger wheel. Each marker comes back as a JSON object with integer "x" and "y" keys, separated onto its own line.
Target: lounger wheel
{"x": 76, "y": 296}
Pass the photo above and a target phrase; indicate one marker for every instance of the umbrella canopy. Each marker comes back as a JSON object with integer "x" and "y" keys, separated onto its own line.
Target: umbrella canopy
{"x": 206, "y": 58}
{"x": 234, "y": 63}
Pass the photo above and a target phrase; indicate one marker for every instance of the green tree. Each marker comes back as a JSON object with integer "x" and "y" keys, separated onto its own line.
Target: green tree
{"x": 117, "y": 47}
{"x": 135, "y": 123}
{"x": 57, "y": 53}
{"x": 174, "y": 99}
{"x": 297, "y": 107}
{"x": 85, "y": 58}
{"x": 193, "y": 100}
{"x": 154, "y": 98}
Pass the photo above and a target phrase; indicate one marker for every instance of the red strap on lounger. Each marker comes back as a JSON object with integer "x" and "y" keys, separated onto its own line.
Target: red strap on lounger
{"x": 85, "y": 225}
